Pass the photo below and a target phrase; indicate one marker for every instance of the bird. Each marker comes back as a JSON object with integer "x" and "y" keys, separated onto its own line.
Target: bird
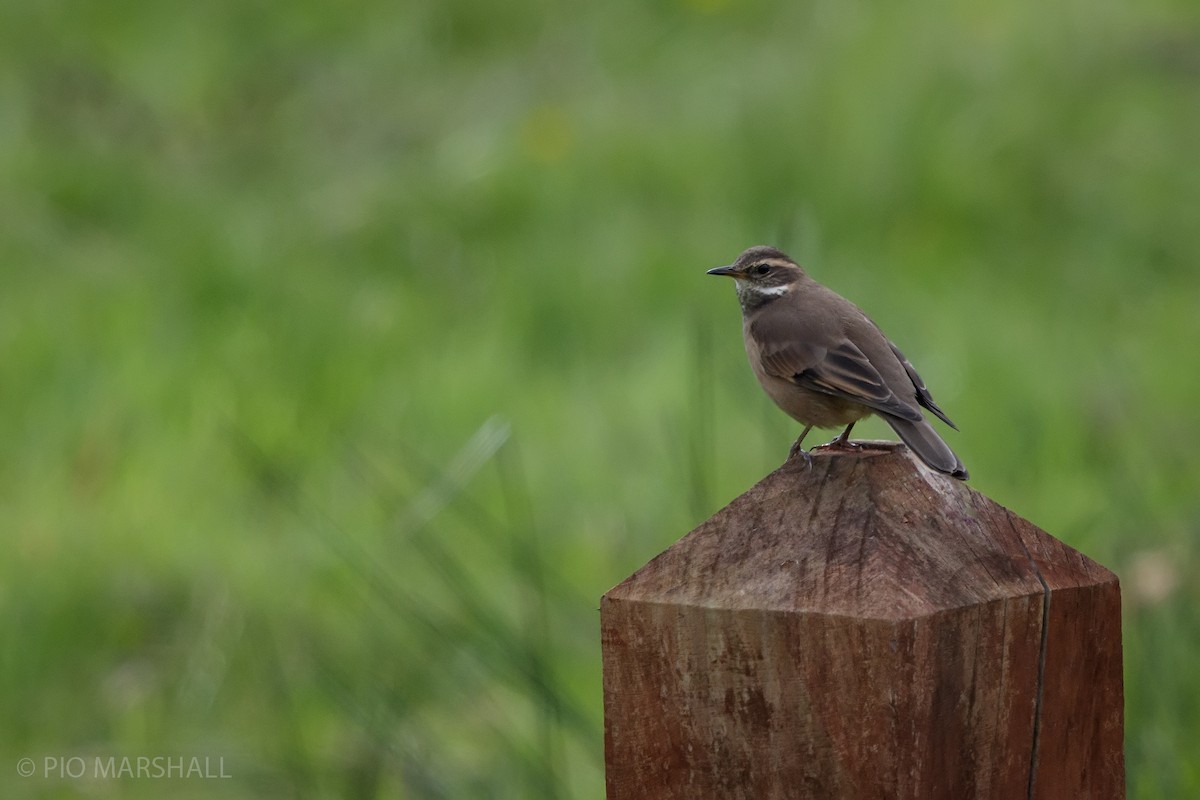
{"x": 826, "y": 364}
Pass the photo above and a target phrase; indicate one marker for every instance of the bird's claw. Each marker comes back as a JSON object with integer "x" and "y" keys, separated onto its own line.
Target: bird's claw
{"x": 841, "y": 444}
{"x": 797, "y": 450}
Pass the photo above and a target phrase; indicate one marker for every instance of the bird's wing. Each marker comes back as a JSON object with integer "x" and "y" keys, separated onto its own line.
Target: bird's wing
{"x": 840, "y": 369}
{"x": 923, "y": 395}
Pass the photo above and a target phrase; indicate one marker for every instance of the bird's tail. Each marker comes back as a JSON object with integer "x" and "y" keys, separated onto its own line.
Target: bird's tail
{"x": 923, "y": 440}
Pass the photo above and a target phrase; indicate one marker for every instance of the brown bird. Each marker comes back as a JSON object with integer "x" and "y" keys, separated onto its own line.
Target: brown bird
{"x": 825, "y": 363}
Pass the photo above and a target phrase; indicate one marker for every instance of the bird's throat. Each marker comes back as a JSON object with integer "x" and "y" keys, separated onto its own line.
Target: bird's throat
{"x": 754, "y": 295}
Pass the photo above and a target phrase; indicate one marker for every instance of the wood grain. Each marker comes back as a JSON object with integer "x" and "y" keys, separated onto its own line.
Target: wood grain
{"x": 864, "y": 629}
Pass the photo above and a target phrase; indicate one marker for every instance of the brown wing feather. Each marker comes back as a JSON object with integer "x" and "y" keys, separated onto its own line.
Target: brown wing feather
{"x": 923, "y": 395}
{"x": 786, "y": 359}
{"x": 847, "y": 373}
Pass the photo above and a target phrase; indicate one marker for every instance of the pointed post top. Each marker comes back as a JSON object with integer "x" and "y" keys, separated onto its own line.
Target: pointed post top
{"x": 872, "y": 534}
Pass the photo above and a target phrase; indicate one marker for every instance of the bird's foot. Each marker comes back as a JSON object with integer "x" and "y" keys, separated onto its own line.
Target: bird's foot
{"x": 841, "y": 444}
{"x": 797, "y": 450}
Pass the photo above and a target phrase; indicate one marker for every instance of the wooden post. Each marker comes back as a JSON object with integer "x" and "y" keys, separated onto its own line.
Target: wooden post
{"x": 864, "y": 629}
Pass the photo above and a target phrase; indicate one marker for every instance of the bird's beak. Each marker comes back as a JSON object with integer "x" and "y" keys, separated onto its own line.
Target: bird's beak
{"x": 729, "y": 270}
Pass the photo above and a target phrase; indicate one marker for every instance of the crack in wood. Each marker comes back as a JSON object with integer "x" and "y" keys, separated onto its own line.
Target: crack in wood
{"x": 1041, "y": 681}
{"x": 1041, "y": 667}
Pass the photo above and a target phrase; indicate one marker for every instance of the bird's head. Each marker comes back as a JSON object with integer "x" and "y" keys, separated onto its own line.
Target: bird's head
{"x": 762, "y": 274}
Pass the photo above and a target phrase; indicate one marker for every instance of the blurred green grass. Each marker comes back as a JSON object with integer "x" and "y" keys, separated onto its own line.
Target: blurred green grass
{"x": 351, "y": 353}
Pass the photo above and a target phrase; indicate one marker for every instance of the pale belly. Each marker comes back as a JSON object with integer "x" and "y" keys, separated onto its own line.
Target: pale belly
{"x": 811, "y": 408}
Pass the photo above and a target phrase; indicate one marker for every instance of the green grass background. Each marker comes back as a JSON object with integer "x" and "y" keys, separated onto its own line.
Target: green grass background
{"x": 350, "y": 352}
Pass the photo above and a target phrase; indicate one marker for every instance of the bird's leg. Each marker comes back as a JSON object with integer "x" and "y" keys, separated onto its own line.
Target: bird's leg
{"x": 842, "y": 442}
{"x": 798, "y": 450}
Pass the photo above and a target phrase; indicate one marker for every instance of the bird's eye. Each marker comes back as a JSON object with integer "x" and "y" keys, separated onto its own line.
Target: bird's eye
{"x": 760, "y": 270}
